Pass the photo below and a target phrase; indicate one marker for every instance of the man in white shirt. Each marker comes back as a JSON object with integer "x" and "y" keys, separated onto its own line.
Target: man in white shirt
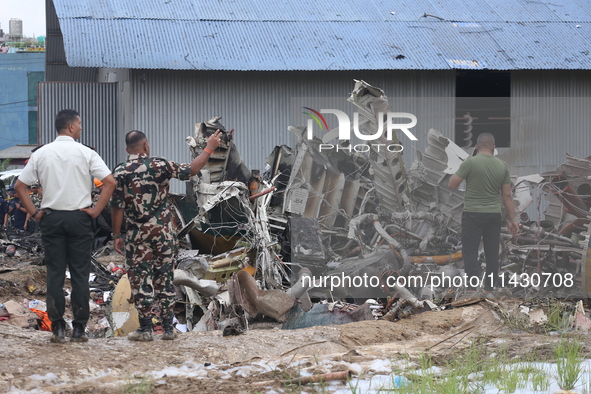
{"x": 64, "y": 168}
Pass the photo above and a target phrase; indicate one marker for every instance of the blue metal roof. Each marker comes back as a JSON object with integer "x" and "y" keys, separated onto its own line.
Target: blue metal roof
{"x": 328, "y": 35}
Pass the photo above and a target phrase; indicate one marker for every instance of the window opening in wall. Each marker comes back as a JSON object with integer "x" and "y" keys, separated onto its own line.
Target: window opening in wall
{"x": 483, "y": 105}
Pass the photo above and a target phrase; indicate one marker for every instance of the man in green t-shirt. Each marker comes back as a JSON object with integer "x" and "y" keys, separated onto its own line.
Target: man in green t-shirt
{"x": 487, "y": 178}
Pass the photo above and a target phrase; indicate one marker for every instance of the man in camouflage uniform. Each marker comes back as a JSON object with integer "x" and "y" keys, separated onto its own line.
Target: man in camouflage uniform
{"x": 96, "y": 190}
{"x": 36, "y": 195}
{"x": 142, "y": 194}
{"x": 36, "y": 198}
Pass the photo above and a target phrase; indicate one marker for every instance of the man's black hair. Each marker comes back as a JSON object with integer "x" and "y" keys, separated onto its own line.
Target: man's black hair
{"x": 134, "y": 137}
{"x": 64, "y": 118}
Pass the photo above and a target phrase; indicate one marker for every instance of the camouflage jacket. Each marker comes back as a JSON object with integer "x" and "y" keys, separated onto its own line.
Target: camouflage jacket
{"x": 94, "y": 195}
{"x": 36, "y": 200}
{"x": 142, "y": 190}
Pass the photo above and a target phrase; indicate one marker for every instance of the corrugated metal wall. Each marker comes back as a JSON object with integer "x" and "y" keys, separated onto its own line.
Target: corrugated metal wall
{"x": 97, "y": 105}
{"x": 258, "y": 105}
{"x": 551, "y": 116}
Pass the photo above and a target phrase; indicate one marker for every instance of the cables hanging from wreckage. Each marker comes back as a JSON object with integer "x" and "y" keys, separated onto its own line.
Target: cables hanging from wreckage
{"x": 544, "y": 247}
{"x": 255, "y": 233}
{"x": 423, "y": 251}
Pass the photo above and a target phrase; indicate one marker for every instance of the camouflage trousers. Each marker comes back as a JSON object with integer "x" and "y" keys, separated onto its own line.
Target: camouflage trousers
{"x": 150, "y": 273}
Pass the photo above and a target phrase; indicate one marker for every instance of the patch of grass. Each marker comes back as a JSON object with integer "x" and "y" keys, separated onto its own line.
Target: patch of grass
{"x": 138, "y": 386}
{"x": 568, "y": 362}
{"x": 515, "y": 320}
{"x": 586, "y": 383}
{"x": 558, "y": 319}
{"x": 474, "y": 370}
{"x": 494, "y": 368}
{"x": 540, "y": 380}
{"x": 420, "y": 381}
{"x": 450, "y": 383}
{"x": 509, "y": 382}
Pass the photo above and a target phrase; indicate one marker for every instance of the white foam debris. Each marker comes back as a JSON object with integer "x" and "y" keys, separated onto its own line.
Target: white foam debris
{"x": 381, "y": 366}
{"x": 48, "y": 377}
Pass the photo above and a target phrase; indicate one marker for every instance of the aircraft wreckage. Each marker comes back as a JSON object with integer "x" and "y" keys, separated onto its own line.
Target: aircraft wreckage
{"x": 331, "y": 236}
{"x": 322, "y": 235}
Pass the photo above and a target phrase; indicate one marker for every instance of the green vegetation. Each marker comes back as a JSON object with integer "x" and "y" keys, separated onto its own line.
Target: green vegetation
{"x": 568, "y": 363}
{"x": 474, "y": 370}
{"x": 479, "y": 368}
{"x": 138, "y": 386}
{"x": 558, "y": 320}
{"x": 4, "y": 164}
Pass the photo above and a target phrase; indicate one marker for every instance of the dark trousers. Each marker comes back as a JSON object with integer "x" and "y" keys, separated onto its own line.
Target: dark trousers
{"x": 485, "y": 226}
{"x": 67, "y": 239}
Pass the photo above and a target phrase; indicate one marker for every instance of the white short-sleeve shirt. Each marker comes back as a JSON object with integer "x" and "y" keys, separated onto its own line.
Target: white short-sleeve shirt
{"x": 64, "y": 168}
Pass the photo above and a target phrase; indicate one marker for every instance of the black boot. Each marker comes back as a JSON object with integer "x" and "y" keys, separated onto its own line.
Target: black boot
{"x": 78, "y": 333}
{"x": 144, "y": 333}
{"x": 168, "y": 328}
{"x": 59, "y": 331}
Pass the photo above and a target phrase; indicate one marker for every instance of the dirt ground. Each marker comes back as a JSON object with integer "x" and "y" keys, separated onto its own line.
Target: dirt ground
{"x": 207, "y": 362}
{"x": 29, "y": 362}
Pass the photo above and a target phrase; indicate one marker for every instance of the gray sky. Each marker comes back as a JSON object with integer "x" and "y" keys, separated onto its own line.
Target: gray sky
{"x": 31, "y": 12}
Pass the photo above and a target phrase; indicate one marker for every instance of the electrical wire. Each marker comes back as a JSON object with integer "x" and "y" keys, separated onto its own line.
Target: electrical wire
{"x": 16, "y": 102}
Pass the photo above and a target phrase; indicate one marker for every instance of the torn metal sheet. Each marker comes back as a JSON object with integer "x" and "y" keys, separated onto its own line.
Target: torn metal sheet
{"x": 389, "y": 172}
{"x": 193, "y": 300}
{"x": 225, "y": 163}
{"x": 455, "y": 157}
{"x": 429, "y": 176}
{"x": 522, "y": 194}
{"x": 123, "y": 312}
{"x": 327, "y": 186}
{"x": 210, "y": 195}
{"x": 203, "y": 286}
{"x": 273, "y": 303}
{"x": 232, "y": 211}
{"x": 306, "y": 242}
{"x": 576, "y": 167}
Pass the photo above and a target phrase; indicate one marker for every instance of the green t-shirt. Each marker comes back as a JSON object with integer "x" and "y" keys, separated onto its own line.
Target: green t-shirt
{"x": 484, "y": 175}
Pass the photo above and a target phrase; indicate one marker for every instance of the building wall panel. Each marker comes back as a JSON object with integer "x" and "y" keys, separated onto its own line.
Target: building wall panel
{"x": 97, "y": 105}
{"x": 15, "y": 102}
{"x": 259, "y": 105}
{"x": 550, "y": 117}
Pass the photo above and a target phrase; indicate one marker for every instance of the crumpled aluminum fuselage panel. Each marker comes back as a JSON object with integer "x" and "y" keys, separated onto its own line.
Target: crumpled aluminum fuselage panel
{"x": 389, "y": 172}
{"x": 429, "y": 177}
{"x": 318, "y": 189}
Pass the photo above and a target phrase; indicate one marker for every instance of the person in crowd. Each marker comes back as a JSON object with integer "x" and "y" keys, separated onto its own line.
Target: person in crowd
{"x": 141, "y": 196}
{"x": 36, "y": 195}
{"x": 3, "y": 212}
{"x": 18, "y": 211}
{"x": 487, "y": 180}
{"x": 64, "y": 168}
